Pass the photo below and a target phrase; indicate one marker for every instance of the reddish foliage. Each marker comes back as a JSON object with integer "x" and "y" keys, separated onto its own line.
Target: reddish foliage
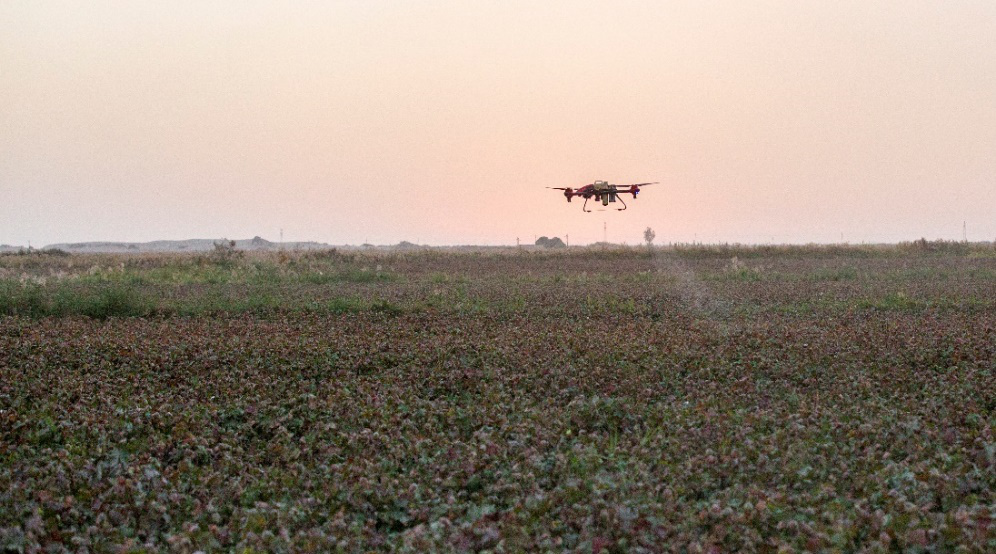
{"x": 646, "y": 404}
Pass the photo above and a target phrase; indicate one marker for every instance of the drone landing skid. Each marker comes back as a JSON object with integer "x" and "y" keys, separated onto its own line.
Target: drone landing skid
{"x": 618, "y": 198}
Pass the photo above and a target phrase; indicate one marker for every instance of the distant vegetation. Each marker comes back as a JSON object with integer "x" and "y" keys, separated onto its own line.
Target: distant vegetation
{"x": 198, "y": 245}
{"x": 554, "y": 242}
{"x": 648, "y": 236}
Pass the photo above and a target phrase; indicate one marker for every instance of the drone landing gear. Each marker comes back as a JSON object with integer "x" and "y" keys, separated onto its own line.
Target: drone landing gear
{"x": 618, "y": 198}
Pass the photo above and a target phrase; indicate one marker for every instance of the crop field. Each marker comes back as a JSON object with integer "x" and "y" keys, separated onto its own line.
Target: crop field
{"x": 690, "y": 399}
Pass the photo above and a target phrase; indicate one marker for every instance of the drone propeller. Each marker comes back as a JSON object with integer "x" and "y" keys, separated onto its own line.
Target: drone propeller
{"x": 634, "y": 189}
{"x": 568, "y": 192}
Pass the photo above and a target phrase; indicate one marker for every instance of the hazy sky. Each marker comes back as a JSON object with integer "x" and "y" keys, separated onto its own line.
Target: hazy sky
{"x": 441, "y": 122}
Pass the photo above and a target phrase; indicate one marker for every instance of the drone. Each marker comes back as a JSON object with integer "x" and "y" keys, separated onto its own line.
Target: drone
{"x": 602, "y": 191}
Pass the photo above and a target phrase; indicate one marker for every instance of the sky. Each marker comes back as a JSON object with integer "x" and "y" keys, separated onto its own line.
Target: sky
{"x": 442, "y": 122}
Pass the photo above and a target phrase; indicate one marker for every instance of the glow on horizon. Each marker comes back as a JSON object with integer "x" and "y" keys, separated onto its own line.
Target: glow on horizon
{"x": 441, "y": 122}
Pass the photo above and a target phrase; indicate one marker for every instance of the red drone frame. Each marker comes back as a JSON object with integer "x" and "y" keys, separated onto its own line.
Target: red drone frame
{"x": 602, "y": 191}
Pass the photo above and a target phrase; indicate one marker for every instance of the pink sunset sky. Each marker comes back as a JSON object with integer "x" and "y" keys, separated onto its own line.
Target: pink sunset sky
{"x": 442, "y": 122}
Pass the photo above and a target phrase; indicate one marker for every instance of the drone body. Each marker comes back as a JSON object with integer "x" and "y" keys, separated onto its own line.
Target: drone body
{"x": 602, "y": 191}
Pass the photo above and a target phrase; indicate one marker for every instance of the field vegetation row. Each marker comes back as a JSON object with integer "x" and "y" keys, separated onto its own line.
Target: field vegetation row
{"x": 682, "y": 399}
{"x": 331, "y": 282}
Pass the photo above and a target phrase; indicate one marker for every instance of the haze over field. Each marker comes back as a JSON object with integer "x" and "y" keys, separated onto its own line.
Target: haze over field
{"x": 441, "y": 122}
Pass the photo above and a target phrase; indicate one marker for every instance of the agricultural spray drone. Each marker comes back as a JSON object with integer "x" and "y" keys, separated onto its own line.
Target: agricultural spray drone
{"x": 602, "y": 191}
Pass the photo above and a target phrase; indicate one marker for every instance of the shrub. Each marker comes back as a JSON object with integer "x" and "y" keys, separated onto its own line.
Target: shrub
{"x": 224, "y": 253}
{"x": 104, "y": 302}
{"x": 555, "y": 242}
{"x": 18, "y": 299}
